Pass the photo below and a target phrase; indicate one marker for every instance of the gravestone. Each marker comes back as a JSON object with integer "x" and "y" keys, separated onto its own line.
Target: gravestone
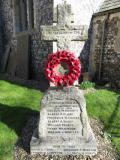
{"x": 65, "y": 33}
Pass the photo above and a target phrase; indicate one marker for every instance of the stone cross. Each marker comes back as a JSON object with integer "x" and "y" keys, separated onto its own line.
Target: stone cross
{"x": 65, "y": 31}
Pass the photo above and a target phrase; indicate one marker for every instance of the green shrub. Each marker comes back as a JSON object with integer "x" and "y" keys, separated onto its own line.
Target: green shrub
{"x": 87, "y": 85}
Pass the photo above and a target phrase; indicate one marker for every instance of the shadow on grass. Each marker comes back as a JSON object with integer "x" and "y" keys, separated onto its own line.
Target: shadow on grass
{"x": 109, "y": 88}
{"x": 41, "y": 85}
{"x": 16, "y": 117}
{"x": 111, "y": 120}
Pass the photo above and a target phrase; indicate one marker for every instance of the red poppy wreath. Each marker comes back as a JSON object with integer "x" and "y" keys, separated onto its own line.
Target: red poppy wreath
{"x": 62, "y": 68}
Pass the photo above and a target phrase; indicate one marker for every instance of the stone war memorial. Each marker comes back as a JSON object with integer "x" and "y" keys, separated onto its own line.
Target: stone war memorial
{"x": 63, "y": 127}
{"x": 59, "y": 80}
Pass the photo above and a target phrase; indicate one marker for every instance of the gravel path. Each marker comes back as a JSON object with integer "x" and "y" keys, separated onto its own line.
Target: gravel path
{"x": 105, "y": 148}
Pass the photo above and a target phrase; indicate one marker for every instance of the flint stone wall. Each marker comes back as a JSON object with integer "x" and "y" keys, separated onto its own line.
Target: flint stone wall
{"x": 6, "y": 27}
{"x": 39, "y": 49}
{"x": 39, "y": 52}
{"x": 7, "y": 19}
{"x": 109, "y": 58}
{"x": 43, "y": 13}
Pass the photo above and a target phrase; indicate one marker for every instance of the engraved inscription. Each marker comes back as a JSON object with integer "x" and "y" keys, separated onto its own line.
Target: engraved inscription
{"x": 62, "y": 117}
{"x": 64, "y": 32}
{"x": 63, "y": 120}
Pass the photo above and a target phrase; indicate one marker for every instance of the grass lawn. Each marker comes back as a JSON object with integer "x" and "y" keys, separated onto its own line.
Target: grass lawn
{"x": 104, "y": 105}
{"x": 18, "y": 104}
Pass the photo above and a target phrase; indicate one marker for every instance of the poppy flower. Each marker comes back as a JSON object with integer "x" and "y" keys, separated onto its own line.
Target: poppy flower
{"x": 73, "y": 69}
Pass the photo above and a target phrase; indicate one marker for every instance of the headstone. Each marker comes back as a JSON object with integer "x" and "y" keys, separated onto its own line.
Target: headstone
{"x": 64, "y": 127}
{"x": 65, "y": 33}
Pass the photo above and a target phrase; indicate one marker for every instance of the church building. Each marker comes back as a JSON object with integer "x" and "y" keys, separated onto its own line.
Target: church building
{"x": 105, "y": 43}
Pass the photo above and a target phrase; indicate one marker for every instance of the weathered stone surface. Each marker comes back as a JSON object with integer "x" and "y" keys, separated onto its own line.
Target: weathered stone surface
{"x": 63, "y": 128}
{"x": 39, "y": 53}
{"x": 64, "y": 32}
{"x": 95, "y": 44}
{"x": 7, "y": 21}
{"x": 105, "y": 50}
{"x": 105, "y": 148}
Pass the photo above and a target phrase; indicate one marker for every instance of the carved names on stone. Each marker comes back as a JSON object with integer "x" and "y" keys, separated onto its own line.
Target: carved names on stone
{"x": 63, "y": 127}
{"x": 63, "y": 117}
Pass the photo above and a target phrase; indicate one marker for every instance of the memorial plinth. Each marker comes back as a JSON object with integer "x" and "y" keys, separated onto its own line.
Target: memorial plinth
{"x": 63, "y": 126}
